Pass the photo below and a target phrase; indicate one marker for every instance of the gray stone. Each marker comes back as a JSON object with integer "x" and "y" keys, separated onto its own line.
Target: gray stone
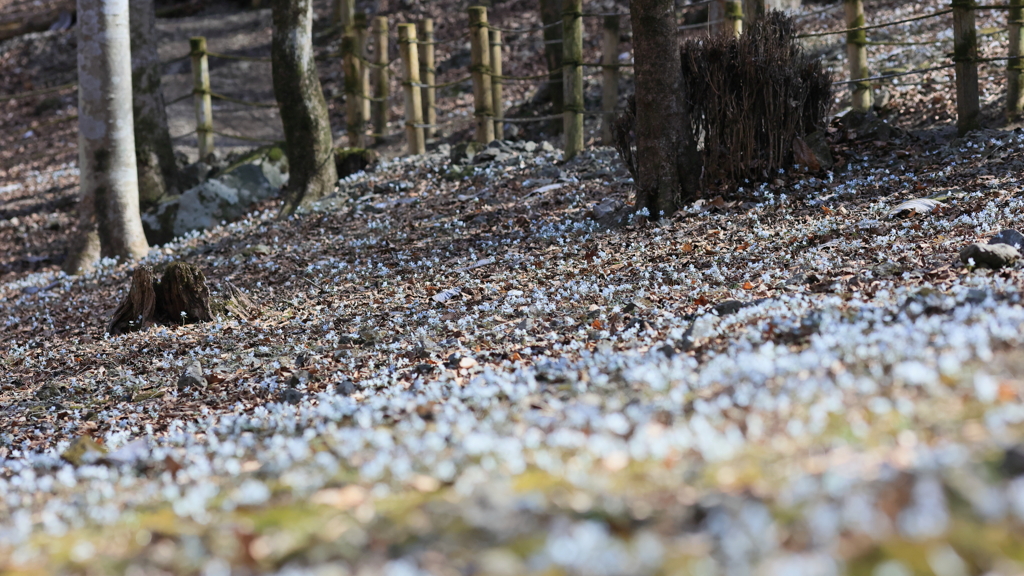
{"x": 463, "y": 153}
{"x": 291, "y": 396}
{"x": 530, "y": 146}
{"x": 193, "y": 174}
{"x": 345, "y": 387}
{"x": 1010, "y": 238}
{"x": 226, "y": 198}
{"x": 728, "y": 307}
{"x": 547, "y": 147}
{"x": 192, "y": 377}
{"x": 993, "y": 256}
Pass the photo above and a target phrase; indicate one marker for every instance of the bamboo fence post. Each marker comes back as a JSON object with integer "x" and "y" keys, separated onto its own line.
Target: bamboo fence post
{"x": 572, "y": 76}
{"x": 354, "y": 119}
{"x": 201, "y": 90}
{"x": 481, "y": 68}
{"x": 857, "y": 55}
{"x": 965, "y": 54}
{"x": 383, "y": 90}
{"x": 361, "y": 33}
{"x": 413, "y": 104}
{"x": 734, "y": 17}
{"x": 609, "y": 78}
{"x": 427, "y": 74}
{"x": 1015, "y": 65}
{"x": 497, "y": 93}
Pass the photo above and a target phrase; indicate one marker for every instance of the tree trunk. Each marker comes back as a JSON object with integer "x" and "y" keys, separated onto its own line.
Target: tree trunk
{"x": 307, "y": 128}
{"x": 109, "y": 223}
{"x": 668, "y": 162}
{"x": 153, "y": 151}
{"x": 551, "y": 16}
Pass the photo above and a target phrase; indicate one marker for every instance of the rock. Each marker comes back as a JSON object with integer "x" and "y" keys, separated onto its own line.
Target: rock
{"x": 1010, "y": 238}
{"x": 345, "y": 387}
{"x": 549, "y": 171}
{"x": 224, "y": 198}
{"x": 348, "y": 161}
{"x": 867, "y": 126}
{"x": 83, "y": 450}
{"x": 530, "y": 146}
{"x": 1013, "y": 461}
{"x": 512, "y": 131}
{"x": 547, "y": 147}
{"x": 291, "y": 396}
{"x": 819, "y": 146}
{"x": 300, "y": 377}
{"x": 193, "y": 175}
{"x": 464, "y": 153}
{"x": 728, "y": 307}
{"x": 993, "y": 256}
{"x": 192, "y": 377}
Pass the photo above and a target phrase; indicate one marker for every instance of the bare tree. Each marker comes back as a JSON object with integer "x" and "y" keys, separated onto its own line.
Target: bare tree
{"x": 153, "y": 151}
{"x": 551, "y": 17}
{"x": 668, "y": 163}
{"x": 307, "y": 128}
{"x": 109, "y": 223}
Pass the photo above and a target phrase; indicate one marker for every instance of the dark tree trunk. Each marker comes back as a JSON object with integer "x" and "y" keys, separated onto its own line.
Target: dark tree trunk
{"x": 154, "y": 154}
{"x": 550, "y": 14}
{"x": 668, "y": 163}
{"x": 307, "y": 128}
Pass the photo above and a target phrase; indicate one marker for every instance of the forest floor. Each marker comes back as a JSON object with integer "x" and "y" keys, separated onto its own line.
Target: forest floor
{"x": 461, "y": 371}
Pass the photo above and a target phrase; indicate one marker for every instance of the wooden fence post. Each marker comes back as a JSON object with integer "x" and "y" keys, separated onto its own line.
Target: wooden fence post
{"x": 344, "y": 11}
{"x": 497, "y": 93}
{"x": 383, "y": 92}
{"x": 354, "y": 119}
{"x": 734, "y": 17}
{"x": 572, "y": 76}
{"x": 428, "y": 74}
{"x": 413, "y": 104}
{"x": 965, "y": 54}
{"x": 201, "y": 90}
{"x": 481, "y": 67}
{"x": 1015, "y": 65}
{"x": 609, "y": 77}
{"x": 361, "y": 33}
{"x": 857, "y": 55}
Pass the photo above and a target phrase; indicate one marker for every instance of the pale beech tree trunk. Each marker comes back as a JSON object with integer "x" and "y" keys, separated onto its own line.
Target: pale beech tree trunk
{"x": 109, "y": 223}
{"x": 307, "y": 128}
{"x": 669, "y": 165}
{"x": 153, "y": 151}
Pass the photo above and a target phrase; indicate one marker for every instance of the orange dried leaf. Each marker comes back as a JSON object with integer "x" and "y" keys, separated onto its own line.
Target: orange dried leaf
{"x": 748, "y": 286}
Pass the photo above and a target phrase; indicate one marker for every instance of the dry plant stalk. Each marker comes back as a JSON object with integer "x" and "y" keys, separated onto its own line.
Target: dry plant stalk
{"x": 749, "y": 99}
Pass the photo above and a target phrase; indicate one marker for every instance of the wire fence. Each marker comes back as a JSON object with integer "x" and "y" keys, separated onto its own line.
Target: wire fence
{"x": 964, "y": 42}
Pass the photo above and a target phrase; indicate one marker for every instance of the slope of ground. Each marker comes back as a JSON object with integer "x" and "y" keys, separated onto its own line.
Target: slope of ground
{"x": 459, "y": 371}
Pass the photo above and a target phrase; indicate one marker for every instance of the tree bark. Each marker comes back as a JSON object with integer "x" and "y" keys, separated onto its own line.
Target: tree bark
{"x": 551, "y": 17}
{"x": 109, "y": 223}
{"x": 307, "y": 128}
{"x": 153, "y": 151}
{"x": 668, "y": 162}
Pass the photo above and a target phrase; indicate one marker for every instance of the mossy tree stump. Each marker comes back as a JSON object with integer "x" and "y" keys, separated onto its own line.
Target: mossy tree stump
{"x": 181, "y": 296}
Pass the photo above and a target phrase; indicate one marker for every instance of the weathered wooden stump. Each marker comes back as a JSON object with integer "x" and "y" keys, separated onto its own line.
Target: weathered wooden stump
{"x": 137, "y": 309}
{"x": 180, "y": 297}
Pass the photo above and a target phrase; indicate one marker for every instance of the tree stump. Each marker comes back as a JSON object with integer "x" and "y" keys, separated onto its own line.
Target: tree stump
{"x": 137, "y": 309}
{"x": 180, "y": 297}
